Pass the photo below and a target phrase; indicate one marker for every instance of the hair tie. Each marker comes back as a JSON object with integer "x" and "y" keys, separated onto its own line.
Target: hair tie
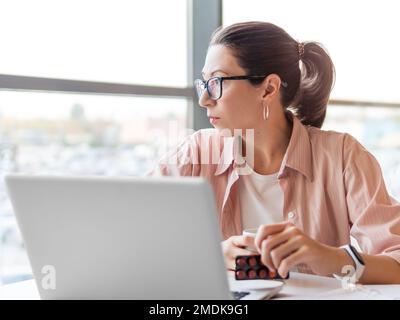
{"x": 300, "y": 47}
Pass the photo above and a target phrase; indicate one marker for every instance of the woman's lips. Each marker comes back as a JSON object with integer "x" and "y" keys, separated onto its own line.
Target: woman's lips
{"x": 213, "y": 120}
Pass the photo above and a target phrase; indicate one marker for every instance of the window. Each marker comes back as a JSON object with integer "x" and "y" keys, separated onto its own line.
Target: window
{"x": 92, "y": 88}
{"x": 96, "y": 40}
{"x": 56, "y": 133}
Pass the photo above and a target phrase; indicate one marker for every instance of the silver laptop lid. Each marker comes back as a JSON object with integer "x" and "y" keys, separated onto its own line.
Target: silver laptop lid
{"x": 120, "y": 238}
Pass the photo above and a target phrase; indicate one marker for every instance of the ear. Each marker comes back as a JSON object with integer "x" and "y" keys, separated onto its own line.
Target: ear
{"x": 271, "y": 86}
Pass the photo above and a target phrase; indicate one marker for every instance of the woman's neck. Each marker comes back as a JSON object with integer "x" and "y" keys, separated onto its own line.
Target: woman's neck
{"x": 269, "y": 145}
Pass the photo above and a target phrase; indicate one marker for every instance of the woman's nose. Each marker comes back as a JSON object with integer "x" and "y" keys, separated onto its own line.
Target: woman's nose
{"x": 205, "y": 100}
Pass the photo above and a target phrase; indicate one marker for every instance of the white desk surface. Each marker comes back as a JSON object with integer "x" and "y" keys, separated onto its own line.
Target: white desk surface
{"x": 300, "y": 286}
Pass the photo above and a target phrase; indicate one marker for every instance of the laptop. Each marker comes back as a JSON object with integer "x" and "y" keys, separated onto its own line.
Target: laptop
{"x": 125, "y": 238}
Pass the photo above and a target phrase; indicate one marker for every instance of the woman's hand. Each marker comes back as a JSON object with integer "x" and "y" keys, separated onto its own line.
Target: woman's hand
{"x": 236, "y": 246}
{"x": 283, "y": 246}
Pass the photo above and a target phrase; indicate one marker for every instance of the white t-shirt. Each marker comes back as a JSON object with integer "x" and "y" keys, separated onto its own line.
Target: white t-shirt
{"x": 261, "y": 199}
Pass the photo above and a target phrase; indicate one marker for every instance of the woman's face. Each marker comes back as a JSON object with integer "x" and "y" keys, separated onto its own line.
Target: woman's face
{"x": 240, "y": 106}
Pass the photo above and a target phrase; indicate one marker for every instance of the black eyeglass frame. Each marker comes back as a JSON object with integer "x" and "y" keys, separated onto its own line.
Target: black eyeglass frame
{"x": 221, "y": 80}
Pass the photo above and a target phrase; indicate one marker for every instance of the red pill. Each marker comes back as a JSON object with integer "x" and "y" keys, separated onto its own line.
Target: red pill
{"x": 240, "y": 274}
{"x": 262, "y": 273}
{"x": 252, "y": 262}
{"x": 252, "y": 274}
{"x": 272, "y": 274}
{"x": 241, "y": 262}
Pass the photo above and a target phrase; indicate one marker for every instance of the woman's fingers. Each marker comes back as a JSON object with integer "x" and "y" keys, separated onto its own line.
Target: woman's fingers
{"x": 267, "y": 230}
{"x": 235, "y": 246}
{"x": 243, "y": 241}
{"x": 265, "y": 257}
{"x": 277, "y": 240}
{"x": 290, "y": 261}
{"x": 284, "y": 250}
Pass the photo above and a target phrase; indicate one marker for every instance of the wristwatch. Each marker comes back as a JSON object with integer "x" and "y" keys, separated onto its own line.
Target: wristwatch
{"x": 357, "y": 259}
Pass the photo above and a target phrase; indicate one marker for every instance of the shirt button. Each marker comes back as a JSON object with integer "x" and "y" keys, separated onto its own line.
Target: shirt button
{"x": 291, "y": 215}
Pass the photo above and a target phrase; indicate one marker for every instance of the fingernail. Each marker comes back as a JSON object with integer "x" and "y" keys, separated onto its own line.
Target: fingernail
{"x": 282, "y": 275}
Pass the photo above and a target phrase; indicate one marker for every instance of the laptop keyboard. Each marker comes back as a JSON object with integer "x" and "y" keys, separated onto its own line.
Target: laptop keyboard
{"x": 237, "y": 295}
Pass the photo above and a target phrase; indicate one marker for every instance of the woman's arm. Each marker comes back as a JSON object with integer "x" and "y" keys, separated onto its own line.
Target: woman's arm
{"x": 283, "y": 246}
{"x": 374, "y": 216}
{"x": 379, "y": 269}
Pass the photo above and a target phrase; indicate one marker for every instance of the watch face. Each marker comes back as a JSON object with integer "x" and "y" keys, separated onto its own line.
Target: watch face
{"x": 358, "y": 256}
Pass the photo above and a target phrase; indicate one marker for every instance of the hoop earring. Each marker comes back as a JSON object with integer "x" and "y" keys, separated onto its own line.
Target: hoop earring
{"x": 265, "y": 112}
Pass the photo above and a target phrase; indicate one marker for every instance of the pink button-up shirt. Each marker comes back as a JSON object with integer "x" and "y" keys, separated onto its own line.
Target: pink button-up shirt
{"x": 333, "y": 187}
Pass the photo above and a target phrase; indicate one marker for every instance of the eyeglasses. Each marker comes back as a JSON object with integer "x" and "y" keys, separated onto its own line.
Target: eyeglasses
{"x": 214, "y": 85}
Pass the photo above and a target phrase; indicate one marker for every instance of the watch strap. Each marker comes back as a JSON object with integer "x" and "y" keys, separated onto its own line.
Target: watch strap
{"x": 359, "y": 269}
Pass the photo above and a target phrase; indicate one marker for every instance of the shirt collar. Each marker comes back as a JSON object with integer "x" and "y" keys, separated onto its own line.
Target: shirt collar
{"x": 229, "y": 152}
{"x": 298, "y": 153}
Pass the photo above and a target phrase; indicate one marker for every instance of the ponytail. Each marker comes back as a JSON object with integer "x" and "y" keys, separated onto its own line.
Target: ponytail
{"x": 316, "y": 83}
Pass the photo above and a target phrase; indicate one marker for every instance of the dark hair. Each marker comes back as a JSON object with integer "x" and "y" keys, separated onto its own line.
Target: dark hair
{"x": 263, "y": 48}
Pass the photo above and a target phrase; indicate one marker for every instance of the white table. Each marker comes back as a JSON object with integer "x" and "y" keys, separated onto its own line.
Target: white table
{"x": 300, "y": 287}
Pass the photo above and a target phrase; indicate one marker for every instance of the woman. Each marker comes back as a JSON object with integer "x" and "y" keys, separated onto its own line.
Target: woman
{"x": 306, "y": 190}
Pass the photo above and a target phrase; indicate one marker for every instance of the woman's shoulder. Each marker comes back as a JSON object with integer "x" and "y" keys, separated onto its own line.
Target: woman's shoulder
{"x": 318, "y": 133}
{"x": 330, "y": 141}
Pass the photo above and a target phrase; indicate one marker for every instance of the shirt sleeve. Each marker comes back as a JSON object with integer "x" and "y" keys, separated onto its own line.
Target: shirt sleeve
{"x": 374, "y": 215}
